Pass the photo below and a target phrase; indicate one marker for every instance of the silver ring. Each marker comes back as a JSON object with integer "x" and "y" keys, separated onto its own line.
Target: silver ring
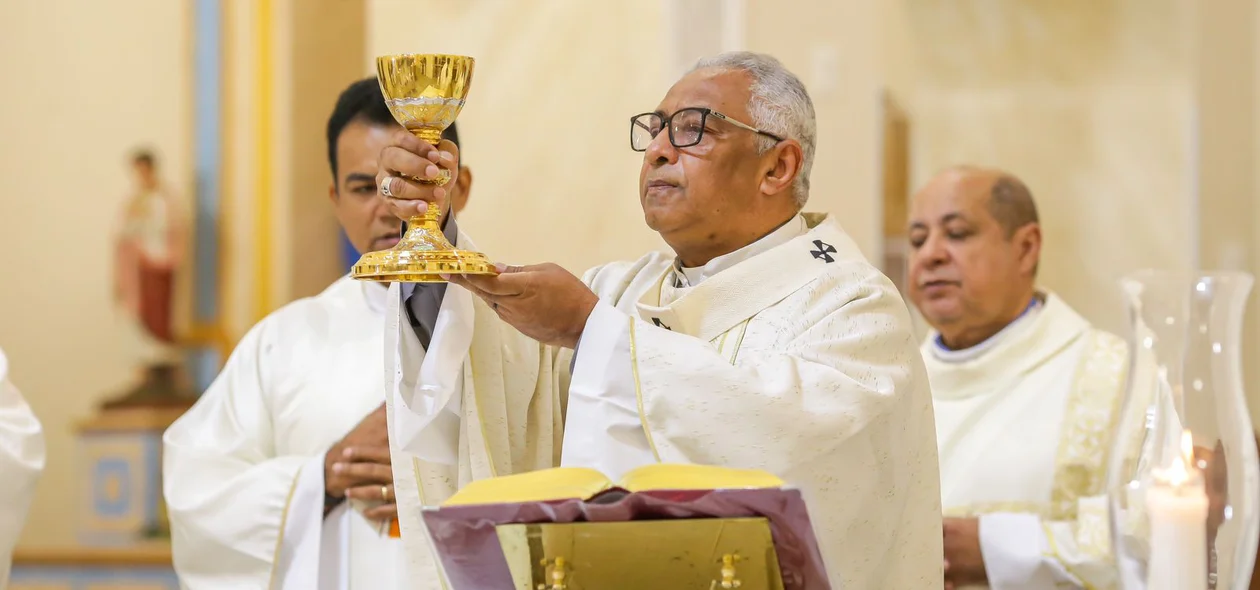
{"x": 385, "y": 186}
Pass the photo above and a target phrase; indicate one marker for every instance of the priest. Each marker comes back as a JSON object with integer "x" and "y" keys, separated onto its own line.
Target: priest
{"x": 1025, "y": 391}
{"x": 766, "y": 341}
{"x": 279, "y": 476}
{"x": 21, "y": 463}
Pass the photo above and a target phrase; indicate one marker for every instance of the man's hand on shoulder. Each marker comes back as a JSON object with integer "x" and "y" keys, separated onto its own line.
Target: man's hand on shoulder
{"x": 543, "y": 301}
{"x": 359, "y": 467}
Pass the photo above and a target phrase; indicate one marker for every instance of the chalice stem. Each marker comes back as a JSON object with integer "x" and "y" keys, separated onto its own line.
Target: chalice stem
{"x": 425, "y": 232}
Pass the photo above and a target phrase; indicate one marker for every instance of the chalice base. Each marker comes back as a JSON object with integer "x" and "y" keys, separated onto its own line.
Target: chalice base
{"x": 421, "y": 256}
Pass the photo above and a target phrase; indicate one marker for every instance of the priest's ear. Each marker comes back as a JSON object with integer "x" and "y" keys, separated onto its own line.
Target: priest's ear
{"x": 1027, "y": 243}
{"x": 782, "y": 164}
{"x": 460, "y": 190}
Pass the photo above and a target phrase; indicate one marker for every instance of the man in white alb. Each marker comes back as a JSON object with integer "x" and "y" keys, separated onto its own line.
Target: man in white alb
{"x": 21, "y": 463}
{"x": 1024, "y": 390}
{"x": 257, "y": 473}
{"x": 766, "y": 342}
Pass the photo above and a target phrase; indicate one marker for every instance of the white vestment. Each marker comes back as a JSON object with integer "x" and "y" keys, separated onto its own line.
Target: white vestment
{"x": 482, "y": 401}
{"x": 21, "y": 463}
{"x": 1024, "y": 424}
{"x": 243, "y": 470}
{"x": 793, "y": 355}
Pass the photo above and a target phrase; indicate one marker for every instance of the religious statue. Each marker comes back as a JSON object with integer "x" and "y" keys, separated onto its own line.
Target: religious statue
{"x": 148, "y": 255}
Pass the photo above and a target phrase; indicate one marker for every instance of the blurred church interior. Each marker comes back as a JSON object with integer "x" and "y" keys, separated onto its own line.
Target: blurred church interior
{"x": 1135, "y": 123}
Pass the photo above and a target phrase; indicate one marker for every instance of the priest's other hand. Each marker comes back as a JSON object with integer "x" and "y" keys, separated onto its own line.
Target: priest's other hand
{"x": 404, "y": 163}
{"x": 361, "y": 459}
{"x": 543, "y": 301}
{"x": 964, "y": 563}
{"x": 371, "y": 480}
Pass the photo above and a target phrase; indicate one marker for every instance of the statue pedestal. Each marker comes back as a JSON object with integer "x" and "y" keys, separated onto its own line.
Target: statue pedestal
{"x": 122, "y": 529}
{"x": 120, "y": 461}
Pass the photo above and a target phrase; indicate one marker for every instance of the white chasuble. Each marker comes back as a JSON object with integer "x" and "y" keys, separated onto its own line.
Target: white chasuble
{"x": 243, "y": 470}
{"x": 21, "y": 463}
{"x": 1024, "y": 430}
{"x": 799, "y": 360}
{"x": 482, "y": 401}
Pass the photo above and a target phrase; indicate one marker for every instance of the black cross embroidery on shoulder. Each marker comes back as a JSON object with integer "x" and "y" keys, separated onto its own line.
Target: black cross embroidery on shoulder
{"x": 661, "y": 324}
{"x": 824, "y": 251}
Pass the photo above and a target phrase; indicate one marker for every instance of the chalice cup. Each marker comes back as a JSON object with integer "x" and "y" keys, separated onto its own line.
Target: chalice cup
{"x": 425, "y": 93}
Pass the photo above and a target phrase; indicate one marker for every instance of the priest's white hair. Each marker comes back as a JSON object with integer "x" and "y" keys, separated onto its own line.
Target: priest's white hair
{"x": 779, "y": 105}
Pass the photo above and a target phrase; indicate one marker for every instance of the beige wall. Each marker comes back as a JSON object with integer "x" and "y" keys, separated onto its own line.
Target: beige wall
{"x": 79, "y": 95}
{"x": 1090, "y": 104}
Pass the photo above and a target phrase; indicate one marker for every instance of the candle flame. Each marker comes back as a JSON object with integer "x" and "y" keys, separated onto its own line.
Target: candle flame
{"x": 1178, "y": 474}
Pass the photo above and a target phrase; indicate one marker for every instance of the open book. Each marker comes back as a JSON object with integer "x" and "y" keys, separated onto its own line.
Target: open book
{"x": 580, "y": 483}
{"x": 658, "y": 526}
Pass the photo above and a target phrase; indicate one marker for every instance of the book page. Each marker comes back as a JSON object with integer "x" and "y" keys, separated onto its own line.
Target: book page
{"x": 695, "y": 477}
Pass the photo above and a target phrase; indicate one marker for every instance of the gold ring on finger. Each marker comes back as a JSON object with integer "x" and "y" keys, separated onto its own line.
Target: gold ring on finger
{"x": 385, "y": 493}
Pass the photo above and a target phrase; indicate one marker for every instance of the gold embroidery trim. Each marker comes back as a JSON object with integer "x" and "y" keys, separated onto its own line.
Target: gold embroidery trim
{"x": 1041, "y": 509}
{"x": 638, "y": 391}
{"x": 284, "y": 520}
{"x": 743, "y": 329}
{"x": 1080, "y": 463}
{"x": 1054, "y": 554}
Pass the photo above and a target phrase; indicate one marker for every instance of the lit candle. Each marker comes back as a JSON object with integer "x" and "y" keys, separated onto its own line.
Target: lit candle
{"x": 1178, "y": 504}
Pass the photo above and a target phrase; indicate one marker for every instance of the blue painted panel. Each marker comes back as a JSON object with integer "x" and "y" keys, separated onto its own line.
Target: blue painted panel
{"x": 208, "y": 143}
{"x": 112, "y": 479}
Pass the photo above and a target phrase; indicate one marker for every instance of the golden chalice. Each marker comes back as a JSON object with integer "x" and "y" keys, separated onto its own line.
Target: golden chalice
{"x": 425, "y": 93}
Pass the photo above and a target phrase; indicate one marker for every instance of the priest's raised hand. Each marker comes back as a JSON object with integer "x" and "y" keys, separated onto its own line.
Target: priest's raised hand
{"x": 358, "y": 467}
{"x": 405, "y": 164}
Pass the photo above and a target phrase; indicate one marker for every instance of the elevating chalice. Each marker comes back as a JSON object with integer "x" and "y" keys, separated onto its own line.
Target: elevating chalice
{"x": 425, "y": 93}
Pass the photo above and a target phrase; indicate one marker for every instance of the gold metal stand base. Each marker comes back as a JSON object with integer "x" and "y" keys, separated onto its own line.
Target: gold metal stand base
{"x": 421, "y": 256}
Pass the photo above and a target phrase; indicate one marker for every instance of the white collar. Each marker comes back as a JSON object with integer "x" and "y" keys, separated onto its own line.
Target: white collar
{"x": 781, "y": 235}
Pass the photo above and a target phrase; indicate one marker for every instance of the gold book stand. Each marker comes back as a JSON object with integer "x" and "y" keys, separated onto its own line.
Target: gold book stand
{"x": 661, "y": 526}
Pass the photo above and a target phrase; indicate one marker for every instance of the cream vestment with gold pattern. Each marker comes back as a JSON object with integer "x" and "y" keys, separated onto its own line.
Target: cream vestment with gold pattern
{"x": 1024, "y": 430}
{"x": 793, "y": 355}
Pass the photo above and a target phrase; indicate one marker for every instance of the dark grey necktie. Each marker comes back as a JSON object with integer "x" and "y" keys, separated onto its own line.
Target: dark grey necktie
{"x": 426, "y": 298}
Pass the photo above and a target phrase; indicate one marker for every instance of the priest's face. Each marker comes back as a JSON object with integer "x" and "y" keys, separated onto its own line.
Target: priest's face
{"x": 359, "y": 206}
{"x": 704, "y": 199}
{"x": 969, "y": 275}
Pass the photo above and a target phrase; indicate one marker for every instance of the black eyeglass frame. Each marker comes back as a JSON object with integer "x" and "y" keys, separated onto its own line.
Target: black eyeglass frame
{"x": 667, "y": 123}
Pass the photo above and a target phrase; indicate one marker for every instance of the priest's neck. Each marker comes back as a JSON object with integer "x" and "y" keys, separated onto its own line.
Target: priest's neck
{"x": 963, "y": 335}
{"x": 700, "y": 249}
